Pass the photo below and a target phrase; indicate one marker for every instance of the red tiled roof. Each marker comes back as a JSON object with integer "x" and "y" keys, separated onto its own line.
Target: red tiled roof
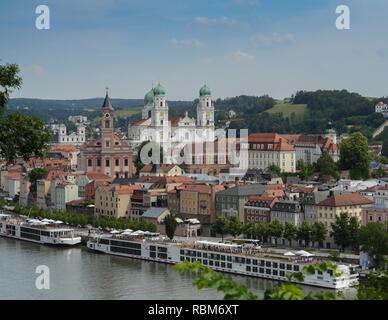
{"x": 63, "y": 148}
{"x": 346, "y": 199}
{"x": 139, "y": 122}
{"x": 174, "y": 121}
{"x": 278, "y": 142}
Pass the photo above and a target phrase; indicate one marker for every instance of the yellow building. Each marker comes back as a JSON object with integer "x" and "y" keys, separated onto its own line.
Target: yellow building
{"x": 350, "y": 203}
{"x": 267, "y": 149}
{"x": 114, "y": 201}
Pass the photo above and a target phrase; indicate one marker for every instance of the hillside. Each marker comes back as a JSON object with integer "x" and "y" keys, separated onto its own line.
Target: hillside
{"x": 288, "y": 109}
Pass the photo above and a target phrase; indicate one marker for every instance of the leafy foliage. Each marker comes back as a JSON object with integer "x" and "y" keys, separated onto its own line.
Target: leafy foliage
{"x": 171, "y": 225}
{"x": 345, "y": 231}
{"x": 318, "y": 232}
{"x": 373, "y": 239}
{"x": 354, "y": 156}
{"x": 34, "y": 175}
{"x": 20, "y": 136}
{"x": 375, "y": 287}
{"x": 326, "y": 165}
{"x": 83, "y": 220}
{"x": 208, "y": 278}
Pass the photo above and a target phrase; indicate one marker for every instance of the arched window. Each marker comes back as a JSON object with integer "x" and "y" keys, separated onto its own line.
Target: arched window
{"x": 161, "y": 103}
{"x": 107, "y": 124}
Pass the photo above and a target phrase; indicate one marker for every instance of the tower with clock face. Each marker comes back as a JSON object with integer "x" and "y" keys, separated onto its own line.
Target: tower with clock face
{"x": 107, "y": 123}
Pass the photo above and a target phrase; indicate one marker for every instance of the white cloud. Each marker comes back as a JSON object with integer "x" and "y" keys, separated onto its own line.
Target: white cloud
{"x": 242, "y": 56}
{"x": 274, "y": 39}
{"x": 220, "y": 21}
{"x": 193, "y": 43}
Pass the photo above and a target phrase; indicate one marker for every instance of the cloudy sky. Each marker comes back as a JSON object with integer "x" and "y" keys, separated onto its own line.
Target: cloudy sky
{"x": 254, "y": 47}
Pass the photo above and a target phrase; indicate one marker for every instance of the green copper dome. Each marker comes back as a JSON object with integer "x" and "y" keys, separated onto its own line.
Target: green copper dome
{"x": 159, "y": 90}
{"x": 205, "y": 91}
{"x": 149, "y": 97}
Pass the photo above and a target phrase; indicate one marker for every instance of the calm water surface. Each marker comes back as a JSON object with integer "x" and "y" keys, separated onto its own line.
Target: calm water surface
{"x": 77, "y": 273}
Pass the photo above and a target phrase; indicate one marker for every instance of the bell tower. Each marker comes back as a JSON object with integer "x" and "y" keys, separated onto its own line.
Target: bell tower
{"x": 107, "y": 122}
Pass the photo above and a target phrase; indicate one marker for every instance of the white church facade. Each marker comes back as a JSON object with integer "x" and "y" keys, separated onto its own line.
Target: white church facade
{"x": 156, "y": 126}
{"x": 75, "y": 138}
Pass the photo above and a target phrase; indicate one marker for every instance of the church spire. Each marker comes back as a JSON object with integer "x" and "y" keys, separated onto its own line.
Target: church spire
{"x": 107, "y": 104}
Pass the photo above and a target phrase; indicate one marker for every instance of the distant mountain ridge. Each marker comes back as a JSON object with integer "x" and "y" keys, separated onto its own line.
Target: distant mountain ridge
{"x": 92, "y": 103}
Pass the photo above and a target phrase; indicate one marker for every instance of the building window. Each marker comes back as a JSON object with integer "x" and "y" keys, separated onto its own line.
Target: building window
{"x": 90, "y": 162}
{"x": 117, "y": 162}
{"x": 126, "y": 162}
{"x": 107, "y": 163}
{"x": 107, "y": 124}
{"x": 98, "y": 162}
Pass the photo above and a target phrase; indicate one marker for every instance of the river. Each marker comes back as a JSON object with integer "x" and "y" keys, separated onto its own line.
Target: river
{"x": 76, "y": 273}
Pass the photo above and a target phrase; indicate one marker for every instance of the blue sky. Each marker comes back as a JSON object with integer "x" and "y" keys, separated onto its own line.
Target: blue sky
{"x": 254, "y": 47}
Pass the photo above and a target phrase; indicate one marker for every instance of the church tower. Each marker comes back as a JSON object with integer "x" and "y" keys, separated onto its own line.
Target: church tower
{"x": 148, "y": 104}
{"x": 159, "y": 112}
{"x": 205, "y": 114}
{"x": 107, "y": 123}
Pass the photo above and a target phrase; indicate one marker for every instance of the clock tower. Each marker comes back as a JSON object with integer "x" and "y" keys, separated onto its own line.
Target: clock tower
{"x": 107, "y": 123}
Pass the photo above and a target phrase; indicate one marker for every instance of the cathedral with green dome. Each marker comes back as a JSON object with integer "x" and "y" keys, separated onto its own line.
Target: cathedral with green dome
{"x": 156, "y": 125}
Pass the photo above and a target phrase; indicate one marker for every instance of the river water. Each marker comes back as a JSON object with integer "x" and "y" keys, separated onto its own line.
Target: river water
{"x": 76, "y": 273}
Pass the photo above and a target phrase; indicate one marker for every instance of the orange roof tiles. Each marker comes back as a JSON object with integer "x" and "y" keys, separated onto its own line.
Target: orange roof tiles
{"x": 346, "y": 199}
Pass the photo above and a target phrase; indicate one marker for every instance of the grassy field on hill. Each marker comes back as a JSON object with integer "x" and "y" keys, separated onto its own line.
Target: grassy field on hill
{"x": 287, "y": 109}
{"x": 127, "y": 112}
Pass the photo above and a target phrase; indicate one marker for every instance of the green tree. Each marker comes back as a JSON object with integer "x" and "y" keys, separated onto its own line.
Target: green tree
{"x": 34, "y": 175}
{"x": 327, "y": 166}
{"x": 249, "y": 229}
{"x": 384, "y": 151}
{"x": 262, "y": 232}
{"x": 341, "y": 230}
{"x": 290, "y": 232}
{"x": 305, "y": 170}
{"x": 354, "y": 156}
{"x": 235, "y": 226}
{"x": 373, "y": 239}
{"x": 276, "y": 230}
{"x": 318, "y": 233}
{"x": 171, "y": 225}
{"x": 275, "y": 169}
{"x": 20, "y": 136}
{"x": 304, "y": 233}
{"x": 208, "y": 278}
{"x": 375, "y": 287}
{"x": 220, "y": 227}
{"x": 354, "y": 229}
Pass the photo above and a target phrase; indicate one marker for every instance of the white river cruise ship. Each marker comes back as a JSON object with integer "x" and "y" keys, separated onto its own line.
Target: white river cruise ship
{"x": 225, "y": 257}
{"x": 44, "y": 231}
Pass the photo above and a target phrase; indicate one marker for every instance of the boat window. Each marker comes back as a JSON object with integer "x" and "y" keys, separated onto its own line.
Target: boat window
{"x": 229, "y": 258}
{"x": 229, "y": 265}
{"x": 248, "y": 261}
{"x": 282, "y": 266}
{"x": 199, "y": 254}
{"x": 261, "y": 270}
{"x": 275, "y": 272}
{"x": 282, "y": 273}
{"x": 217, "y": 264}
{"x": 210, "y": 263}
{"x": 268, "y": 264}
{"x": 222, "y": 258}
{"x": 275, "y": 265}
{"x": 222, "y": 264}
{"x": 296, "y": 268}
{"x": 268, "y": 271}
{"x": 248, "y": 268}
{"x": 289, "y": 267}
{"x": 330, "y": 272}
{"x": 205, "y": 262}
{"x": 254, "y": 269}
{"x": 255, "y": 263}
{"x": 182, "y": 258}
